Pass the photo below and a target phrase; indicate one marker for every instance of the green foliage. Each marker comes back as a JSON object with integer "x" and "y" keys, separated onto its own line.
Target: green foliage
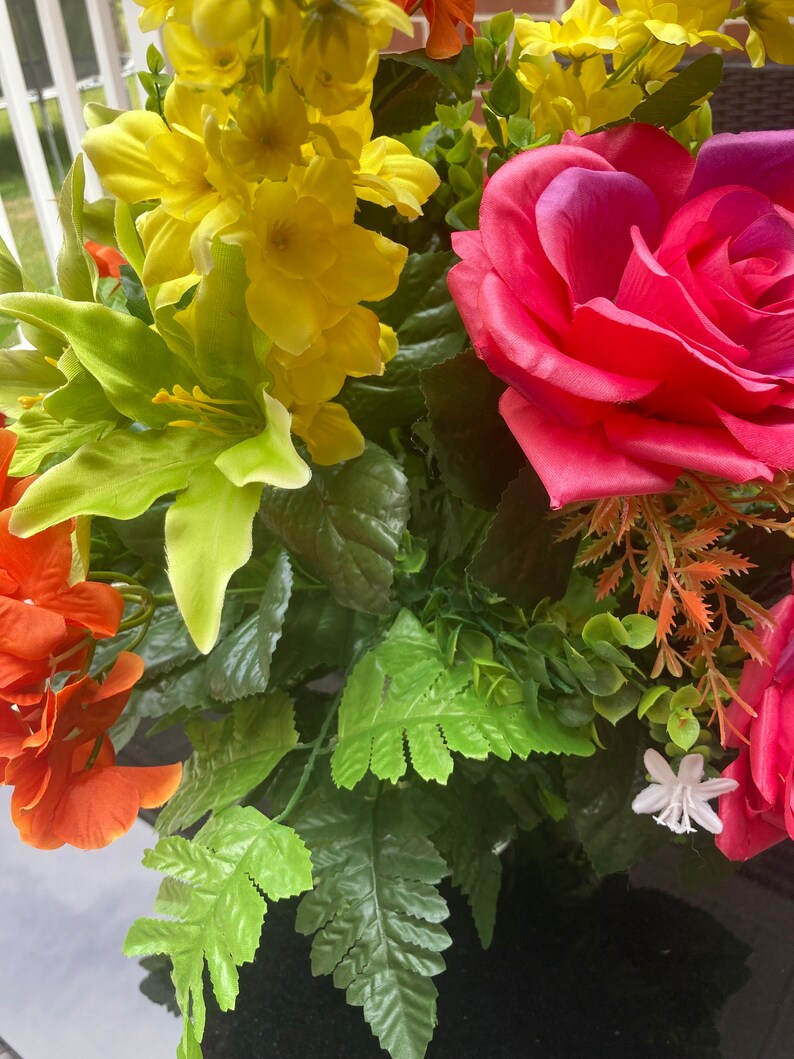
{"x": 154, "y": 81}
{"x": 129, "y": 360}
{"x": 375, "y": 911}
{"x": 240, "y": 665}
{"x": 207, "y": 537}
{"x": 345, "y": 526}
{"x": 404, "y": 689}
{"x": 318, "y": 633}
{"x": 232, "y": 756}
{"x": 40, "y": 436}
{"x": 75, "y": 270}
{"x": 519, "y": 557}
{"x": 505, "y": 95}
{"x": 679, "y": 96}
{"x": 91, "y": 481}
{"x": 216, "y": 905}
{"x": 24, "y": 373}
{"x": 137, "y": 302}
{"x": 600, "y": 792}
{"x": 408, "y": 86}
{"x": 476, "y": 453}
{"x": 476, "y": 826}
{"x": 429, "y": 329}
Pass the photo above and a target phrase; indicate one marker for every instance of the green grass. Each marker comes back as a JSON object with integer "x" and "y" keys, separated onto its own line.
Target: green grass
{"x": 14, "y": 189}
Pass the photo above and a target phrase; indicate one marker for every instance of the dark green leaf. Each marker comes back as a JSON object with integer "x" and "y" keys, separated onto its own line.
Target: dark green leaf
{"x": 476, "y": 453}
{"x": 405, "y": 97}
{"x": 505, "y": 96}
{"x": 375, "y": 912}
{"x": 519, "y": 558}
{"x": 318, "y": 633}
{"x": 429, "y": 329}
{"x": 232, "y": 757}
{"x": 601, "y": 790}
{"x": 677, "y": 98}
{"x": 240, "y": 664}
{"x": 345, "y": 526}
{"x": 137, "y": 302}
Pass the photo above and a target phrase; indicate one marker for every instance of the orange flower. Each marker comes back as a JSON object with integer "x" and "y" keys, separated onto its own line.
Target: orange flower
{"x": 106, "y": 258}
{"x": 444, "y": 16}
{"x": 59, "y": 758}
{"x": 43, "y": 615}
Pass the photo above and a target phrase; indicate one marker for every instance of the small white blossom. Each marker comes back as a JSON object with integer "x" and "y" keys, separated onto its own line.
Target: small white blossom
{"x": 679, "y": 800}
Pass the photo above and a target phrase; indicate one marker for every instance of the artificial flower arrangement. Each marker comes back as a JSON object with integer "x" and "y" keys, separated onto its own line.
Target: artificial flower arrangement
{"x": 415, "y": 431}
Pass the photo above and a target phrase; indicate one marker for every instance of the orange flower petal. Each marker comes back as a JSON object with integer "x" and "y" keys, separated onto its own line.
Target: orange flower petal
{"x": 97, "y": 807}
{"x": 154, "y": 784}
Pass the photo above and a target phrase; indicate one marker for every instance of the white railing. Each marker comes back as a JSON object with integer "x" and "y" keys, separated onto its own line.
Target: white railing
{"x": 18, "y": 99}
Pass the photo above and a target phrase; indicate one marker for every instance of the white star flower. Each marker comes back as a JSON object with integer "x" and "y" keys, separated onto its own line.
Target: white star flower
{"x": 678, "y": 800}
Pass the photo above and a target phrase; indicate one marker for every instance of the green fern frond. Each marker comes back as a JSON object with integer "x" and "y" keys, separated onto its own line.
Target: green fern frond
{"x": 404, "y": 689}
{"x": 231, "y": 757}
{"x": 376, "y": 913}
{"x": 214, "y": 895}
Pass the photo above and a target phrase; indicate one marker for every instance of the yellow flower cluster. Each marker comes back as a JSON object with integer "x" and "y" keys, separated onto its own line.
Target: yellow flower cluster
{"x": 265, "y": 141}
{"x": 644, "y": 42}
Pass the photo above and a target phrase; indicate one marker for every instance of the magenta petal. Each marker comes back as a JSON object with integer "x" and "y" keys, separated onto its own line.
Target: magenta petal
{"x": 464, "y": 280}
{"x": 709, "y": 450}
{"x": 650, "y": 291}
{"x": 584, "y": 221}
{"x": 524, "y": 350}
{"x": 745, "y": 833}
{"x": 648, "y": 153}
{"x": 577, "y": 464}
{"x": 508, "y": 229}
{"x": 763, "y": 161}
{"x": 611, "y": 338}
{"x": 768, "y": 435}
{"x": 763, "y": 744}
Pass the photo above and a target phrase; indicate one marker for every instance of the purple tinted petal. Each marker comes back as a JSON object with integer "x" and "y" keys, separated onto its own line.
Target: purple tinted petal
{"x": 763, "y": 161}
{"x": 584, "y": 221}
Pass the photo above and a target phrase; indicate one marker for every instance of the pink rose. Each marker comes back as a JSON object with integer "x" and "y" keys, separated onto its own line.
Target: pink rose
{"x": 640, "y": 307}
{"x": 759, "y": 812}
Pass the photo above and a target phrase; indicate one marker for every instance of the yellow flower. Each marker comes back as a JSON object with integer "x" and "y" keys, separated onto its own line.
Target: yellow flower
{"x": 329, "y": 433}
{"x": 771, "y": 31}
{"x": 271, "y": 130}
{"x": 351, "y": 347}
{"x": 199, "y": 66}
{"x": 562, "y": 100}
{"x": 657, "y": 65}
{"x": 308, "y": 264}
{"x": 390, "y": 175}
{"x": 333, "y": 59}
{"x": 154, "y": 13}
{"x": 140, "y": 157}
{"x": 219, "y": 22}
{"x": 587, "y": 28}
{"x": 676, "y": 23}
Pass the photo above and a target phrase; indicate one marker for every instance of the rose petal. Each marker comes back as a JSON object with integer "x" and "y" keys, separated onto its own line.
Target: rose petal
{"x": 763, "y": 744}
{"x": 698, "y": 448}
{"x": 465, "y": 279}
{"x": 648, "y": 153}
{"x": 577, "y": 464}
{"x": 744, "y": 833}
{"x": 509, "y": 235}
{"x": 763, "y": 161}
{"x": 584, "y": 221}
{"x": 523, "y": 350}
